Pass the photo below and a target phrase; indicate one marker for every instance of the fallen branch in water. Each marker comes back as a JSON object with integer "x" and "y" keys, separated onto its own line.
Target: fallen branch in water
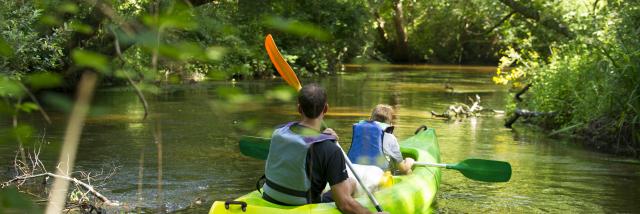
{"x": 80, "y": 193}
{"x": 524, "y": 90}
{"x": 464, "y": 110}
{"x": 86, "y": 186}
{"x": 526, "y": 114}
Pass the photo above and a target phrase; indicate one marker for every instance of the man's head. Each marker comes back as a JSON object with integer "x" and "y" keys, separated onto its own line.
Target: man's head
{"x": 312, "y": 101}
{"x": 382, "y": 113}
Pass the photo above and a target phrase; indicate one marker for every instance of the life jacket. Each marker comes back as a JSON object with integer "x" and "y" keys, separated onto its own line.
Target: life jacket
{"x": 286, "y": 168}
{"x": 366, "y": 144}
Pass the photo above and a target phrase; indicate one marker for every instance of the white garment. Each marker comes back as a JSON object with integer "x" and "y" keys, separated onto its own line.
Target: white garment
{"x": 370, "y": 175}
{"x": 391, "y": 148}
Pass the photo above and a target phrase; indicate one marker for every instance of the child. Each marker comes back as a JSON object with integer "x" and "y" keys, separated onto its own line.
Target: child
{"x": 374, "y": 143}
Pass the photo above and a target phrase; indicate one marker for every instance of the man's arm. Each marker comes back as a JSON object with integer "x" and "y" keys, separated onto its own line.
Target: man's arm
{"x": 342, "y": 195}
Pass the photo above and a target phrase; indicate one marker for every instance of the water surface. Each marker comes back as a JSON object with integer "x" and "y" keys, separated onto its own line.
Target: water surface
{"x": 199, "y": 127}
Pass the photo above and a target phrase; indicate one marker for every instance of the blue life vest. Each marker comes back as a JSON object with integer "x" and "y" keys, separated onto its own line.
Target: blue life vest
{"x": 366, "y": 144}
{"x": 286, "y": 167}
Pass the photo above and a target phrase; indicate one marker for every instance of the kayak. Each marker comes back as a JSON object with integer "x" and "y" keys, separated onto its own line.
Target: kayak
{"x": 409, "y": 193}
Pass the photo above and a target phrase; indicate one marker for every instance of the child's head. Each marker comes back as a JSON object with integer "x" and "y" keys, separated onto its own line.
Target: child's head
{"x": 382, "y": 113}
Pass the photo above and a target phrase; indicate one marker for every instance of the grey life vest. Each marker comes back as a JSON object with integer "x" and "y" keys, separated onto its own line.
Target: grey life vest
{"x": 286, "y": 167}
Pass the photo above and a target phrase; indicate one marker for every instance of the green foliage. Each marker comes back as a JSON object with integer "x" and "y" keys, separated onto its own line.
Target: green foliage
{"x": 5, "y": 49}
{"x": 453, "y": 32}
{"x": 42, "y": 80}
{"x": 90, "y": 59}
{"x": 26, "y": 47}
{"x": 592, "y": 82}
{"x": 9, "y": 87}
{"x": 297, "y": 28}
{"x": 12, "y": 201}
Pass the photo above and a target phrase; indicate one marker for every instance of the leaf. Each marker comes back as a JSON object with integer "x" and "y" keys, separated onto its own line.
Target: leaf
{"x": 27, "y": 107}
{"x": 5, "y": 49}
{"x": 81, "y": 28}
{"x": 217, "y": 75}
{"x": 233, "y": 95}
{"x": 215, "y": 53}
{"x": 9, "y": 87}
{"x": 58, "y": 101}
{"x": 298, "y": 28}
{"x": 22, "y": 132}
{"x": 90, "y": 59}
{"x": 6, "y": 109}
{"x": 282, "y": 93}
{"x": 172, "y": 21}
{"x": 182, "y": 51}
{"x": 50, "y": 20}
{"x": 44, "y": 80}
{"x": 12, "y": 201}
{"x": 68, "y": 7}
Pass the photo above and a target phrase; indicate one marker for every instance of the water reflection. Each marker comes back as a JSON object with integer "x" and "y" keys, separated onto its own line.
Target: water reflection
{"x": 201, "y": 159}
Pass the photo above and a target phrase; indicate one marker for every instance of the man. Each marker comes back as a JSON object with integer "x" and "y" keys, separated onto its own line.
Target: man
{"x": 302, "y": 159}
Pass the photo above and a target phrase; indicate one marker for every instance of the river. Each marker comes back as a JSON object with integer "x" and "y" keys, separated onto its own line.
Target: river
{"x": 198, "y": 127}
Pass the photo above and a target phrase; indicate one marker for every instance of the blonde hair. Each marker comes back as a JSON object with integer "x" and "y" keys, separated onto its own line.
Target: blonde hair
{"x": 382, "y": 113}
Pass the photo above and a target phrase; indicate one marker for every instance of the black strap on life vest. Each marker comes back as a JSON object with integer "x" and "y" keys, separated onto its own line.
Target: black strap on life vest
{"x": 263, "y": 180}
{"x": 270, "y": 199}
{"x": 285, "y": 190}
{"x": 389, "y": 129}
{"x": 259, "y": 185}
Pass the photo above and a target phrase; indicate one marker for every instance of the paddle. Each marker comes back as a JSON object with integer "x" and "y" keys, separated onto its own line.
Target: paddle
{"x": 475, "y": 169}
{"x": 255, "y": 147}
{"x": 292, "y": 79}
{"x": 281, "y": 65}
{"x": 478, "y": 169}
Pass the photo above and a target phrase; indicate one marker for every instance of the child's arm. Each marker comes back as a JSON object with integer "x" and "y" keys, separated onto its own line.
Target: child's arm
{"x": 405, "y": 165}
{"x": 392, "y": 149}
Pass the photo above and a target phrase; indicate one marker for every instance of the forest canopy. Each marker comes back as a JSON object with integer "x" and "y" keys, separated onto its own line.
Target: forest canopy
{"x": 581, "y": 56}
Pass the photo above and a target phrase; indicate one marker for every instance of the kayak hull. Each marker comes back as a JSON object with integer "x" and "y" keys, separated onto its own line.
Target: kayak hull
{"x": 409, "y": 194}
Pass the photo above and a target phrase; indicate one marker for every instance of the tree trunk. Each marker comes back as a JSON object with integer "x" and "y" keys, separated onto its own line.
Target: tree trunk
{"x": 382, "y": 35}
{"x": 401, "y": 50}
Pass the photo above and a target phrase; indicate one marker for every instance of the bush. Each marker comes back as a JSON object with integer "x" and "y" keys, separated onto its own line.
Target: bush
{"x": 591, "y": 82}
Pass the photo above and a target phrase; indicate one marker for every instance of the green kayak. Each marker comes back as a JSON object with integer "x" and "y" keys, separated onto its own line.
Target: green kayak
{"x": 409, "y": 194}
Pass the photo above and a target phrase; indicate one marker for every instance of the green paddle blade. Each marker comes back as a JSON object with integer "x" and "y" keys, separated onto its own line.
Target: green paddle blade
{"x": 255, "y": 147}
{"x": 484, "y": 170}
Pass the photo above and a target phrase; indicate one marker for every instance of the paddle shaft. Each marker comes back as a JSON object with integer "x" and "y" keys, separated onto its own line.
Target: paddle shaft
{"x": 430, "y": 164}
{"x": 369, "y": 194}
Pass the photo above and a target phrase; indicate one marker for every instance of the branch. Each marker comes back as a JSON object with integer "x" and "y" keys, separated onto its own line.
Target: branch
{"x": 525, "y": 89}
{"x": 145, "y": 105}
{"x": 33, "y": 98}
{"x": 532, "y": 13}
{"x": 502, "y": 21}
{"x": 86, "y": 186}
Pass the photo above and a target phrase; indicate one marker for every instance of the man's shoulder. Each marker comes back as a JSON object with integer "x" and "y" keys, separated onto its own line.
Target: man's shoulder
{"x": 327, "y": 148}
{"x": 327, "y": 145}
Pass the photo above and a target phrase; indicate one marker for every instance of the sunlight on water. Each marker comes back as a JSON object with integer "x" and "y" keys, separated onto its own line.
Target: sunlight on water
{"x": 200, "y": 131}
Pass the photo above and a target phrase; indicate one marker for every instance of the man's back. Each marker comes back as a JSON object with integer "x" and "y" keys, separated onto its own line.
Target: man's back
{"x": 300, "y": 164}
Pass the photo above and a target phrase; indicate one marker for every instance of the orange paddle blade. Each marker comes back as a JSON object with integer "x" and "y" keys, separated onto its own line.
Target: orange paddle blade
{"x": 281, "y": 65}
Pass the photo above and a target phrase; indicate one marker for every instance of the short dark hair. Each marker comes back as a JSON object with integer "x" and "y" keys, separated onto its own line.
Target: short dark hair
{"x": 312, "y": 99}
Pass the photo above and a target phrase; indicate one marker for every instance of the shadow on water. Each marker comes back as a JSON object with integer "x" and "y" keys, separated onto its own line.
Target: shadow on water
{"x": 201, "y": 161}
